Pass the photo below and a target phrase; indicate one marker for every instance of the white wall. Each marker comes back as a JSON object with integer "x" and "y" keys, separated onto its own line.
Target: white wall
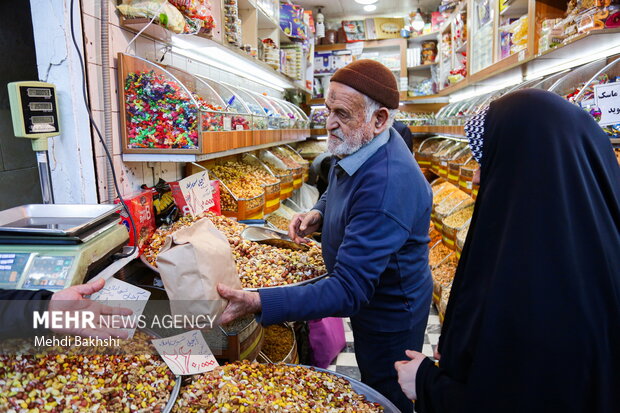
{"x": 77, "y": 178}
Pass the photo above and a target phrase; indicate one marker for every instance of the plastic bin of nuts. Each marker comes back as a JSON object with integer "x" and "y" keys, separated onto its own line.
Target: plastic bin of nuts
{"x": 455, "y": 155}
{"x": 454, "y": 166}
{"x": 454, "y": 202}
{"x": 280, "y": 345}
{"x": 294, "y": 155}
{"x": 293, "y": 165}
{"x": 461, "y": 236}
{"x": 425, "y": 151}
{"x": 466, "y": 175}
{"x": 281, "y": 171}
{"x": 443, "y": 274}
{"x": 440, "y": 193}
{"x": 442, "y": 155}
{"x": 269, "y": 181}
{"x": 453, "y": 223}
{"x": 437, "y": 254}
{"x": 241, "y": 197}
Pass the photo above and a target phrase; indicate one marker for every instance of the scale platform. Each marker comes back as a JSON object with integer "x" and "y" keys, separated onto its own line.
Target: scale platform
{"x": 55, "y": 258}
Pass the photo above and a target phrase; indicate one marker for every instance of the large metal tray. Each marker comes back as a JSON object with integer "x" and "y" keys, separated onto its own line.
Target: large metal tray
{"x": 371, "y": 394}
{"x": 54, "y": 219}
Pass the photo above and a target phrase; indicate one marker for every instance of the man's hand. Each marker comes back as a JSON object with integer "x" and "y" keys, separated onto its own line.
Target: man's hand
{"x": 240, "y": 303}
{"x": 436, "y": 354}
{"x": 407, "y": 371}
{"x": 304, "y": 224}
{"x": 72, "y": 300}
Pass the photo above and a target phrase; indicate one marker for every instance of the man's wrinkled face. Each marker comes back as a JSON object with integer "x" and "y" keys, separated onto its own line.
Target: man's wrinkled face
{"x": 346, "y": 122}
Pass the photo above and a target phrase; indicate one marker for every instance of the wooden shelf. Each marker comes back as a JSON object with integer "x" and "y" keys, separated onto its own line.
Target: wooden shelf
{"x": 171, "y": 157}
{"x": 421, "y": 67}
{"x": 452, "y": 131}
{"x": 615, "y": 141}
{"x": 429, "y": 36}
{"x": 318, "y": 132}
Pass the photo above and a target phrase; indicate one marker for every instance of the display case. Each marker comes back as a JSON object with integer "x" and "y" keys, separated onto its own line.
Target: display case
{"x": 259, "y": 118}
{"x": 158, "y": 113}
{"x": 569, "y": 85}
{"x": 271, "y": 186}
{"x": 279, "y": 169}
{"x": 217, "y": 114}
{"x": 586, "y": 99}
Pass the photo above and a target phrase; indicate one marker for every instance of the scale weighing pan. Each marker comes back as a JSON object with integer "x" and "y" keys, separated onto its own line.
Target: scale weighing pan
{"x": 62, "y": 220}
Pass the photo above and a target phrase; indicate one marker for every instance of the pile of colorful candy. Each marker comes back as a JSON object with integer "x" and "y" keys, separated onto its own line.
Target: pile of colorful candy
{"x": 319, "y": 118}
{"x": 160, "y": 114}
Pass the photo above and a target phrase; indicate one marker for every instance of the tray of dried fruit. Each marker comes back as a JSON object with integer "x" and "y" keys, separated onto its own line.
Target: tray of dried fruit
{"x": 258, "y": 265}
{"x": 251, "y": 386}
{"x": 87, "y": 378}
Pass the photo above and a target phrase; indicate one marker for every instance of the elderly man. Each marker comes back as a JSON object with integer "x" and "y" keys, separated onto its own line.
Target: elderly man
{"x": 374, "y": 217}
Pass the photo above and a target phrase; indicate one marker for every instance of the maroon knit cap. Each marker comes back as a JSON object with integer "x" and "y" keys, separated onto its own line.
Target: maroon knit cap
{"x": 372, "y": 79}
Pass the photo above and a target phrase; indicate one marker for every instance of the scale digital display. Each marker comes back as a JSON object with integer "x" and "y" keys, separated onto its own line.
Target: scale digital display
{"x": 37, "y": 92}
{"x": 12, "y": 265}
{"x": 41, "y": 106}
{"x": 48, "y": 272}
{"x": 42, "y": 119}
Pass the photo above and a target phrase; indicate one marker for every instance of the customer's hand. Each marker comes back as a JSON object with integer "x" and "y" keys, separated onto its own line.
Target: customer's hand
{"x": 72, "y": 300}
{"x": 407, "y": 371}
{"x": 436, "y": 354}
{"x": 240, "y": 303}
{"x": 304, "y": 224}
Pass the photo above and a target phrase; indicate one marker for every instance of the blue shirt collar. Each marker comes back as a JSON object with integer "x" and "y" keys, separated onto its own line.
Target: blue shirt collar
{"x": 353, "y": 162}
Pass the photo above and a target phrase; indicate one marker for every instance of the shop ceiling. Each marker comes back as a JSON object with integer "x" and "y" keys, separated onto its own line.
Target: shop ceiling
{"x": 340, "y": 9}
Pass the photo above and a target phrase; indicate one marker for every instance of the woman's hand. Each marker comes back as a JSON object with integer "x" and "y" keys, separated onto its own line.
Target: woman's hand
{"x": 407, "y": 371}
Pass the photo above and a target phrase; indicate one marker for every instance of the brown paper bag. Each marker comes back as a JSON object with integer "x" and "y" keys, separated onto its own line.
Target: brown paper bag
{"x": 191, "y": 263}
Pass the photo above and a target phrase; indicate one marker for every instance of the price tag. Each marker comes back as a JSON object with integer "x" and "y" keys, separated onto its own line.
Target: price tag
{"x": 196, "y": 190}
{"x": 186, "y": 353}
{"x": 607, "y": 98}
{"x": 125, "y": 295}
{"x": 227, "y": 123}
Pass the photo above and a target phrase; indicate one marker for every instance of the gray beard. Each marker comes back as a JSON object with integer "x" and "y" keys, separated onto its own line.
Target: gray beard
{"x": 345, "y": 147}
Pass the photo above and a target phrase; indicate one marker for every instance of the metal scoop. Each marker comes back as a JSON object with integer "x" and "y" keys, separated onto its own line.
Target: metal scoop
{"x": 271, "y": 237}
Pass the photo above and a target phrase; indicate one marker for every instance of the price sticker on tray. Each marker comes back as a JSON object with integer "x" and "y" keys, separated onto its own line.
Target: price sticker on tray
{"x": 607, "y": 98}
{"x": 196, "y": 190}
{"x": 186, "y": 353}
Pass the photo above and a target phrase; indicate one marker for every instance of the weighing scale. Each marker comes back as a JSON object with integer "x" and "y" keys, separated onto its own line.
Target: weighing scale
{"x": 56, "y": 246}
{"x": 34, "y": 111}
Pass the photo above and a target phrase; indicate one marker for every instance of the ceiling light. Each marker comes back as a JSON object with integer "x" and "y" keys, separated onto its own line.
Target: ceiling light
{"x": 366, "y": 1}
{"x": 370, "y": 7}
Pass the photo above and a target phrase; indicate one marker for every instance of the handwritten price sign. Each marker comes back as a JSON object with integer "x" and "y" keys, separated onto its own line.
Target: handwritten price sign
{"x": 186, "y": 353}
{"x": 118, "y": 293}
{"x": 607, "y": 98}
{"x": 196, "y": 190}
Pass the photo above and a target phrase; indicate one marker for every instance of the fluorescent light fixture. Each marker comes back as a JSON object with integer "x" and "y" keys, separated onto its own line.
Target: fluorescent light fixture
{"x": 228, "y": 62}
{"x": 586, "y": 56}
{"x": 370, "y": 7}
{"x": 366, "y": 1}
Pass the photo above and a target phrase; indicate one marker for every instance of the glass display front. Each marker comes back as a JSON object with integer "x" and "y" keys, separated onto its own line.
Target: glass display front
{"x": 259, "y": 118}
{"x": 160, "y": 113}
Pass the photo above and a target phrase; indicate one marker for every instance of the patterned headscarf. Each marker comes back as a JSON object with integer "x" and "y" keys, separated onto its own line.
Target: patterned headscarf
{"x": 474, "y": 131}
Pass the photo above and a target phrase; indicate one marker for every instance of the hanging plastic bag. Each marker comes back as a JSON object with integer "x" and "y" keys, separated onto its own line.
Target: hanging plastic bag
{"x": 167, "y": 15}
{"x": 306, "y": 197}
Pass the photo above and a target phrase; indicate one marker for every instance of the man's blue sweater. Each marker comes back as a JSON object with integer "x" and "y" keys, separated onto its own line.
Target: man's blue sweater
{"x": 376, "y": 215}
